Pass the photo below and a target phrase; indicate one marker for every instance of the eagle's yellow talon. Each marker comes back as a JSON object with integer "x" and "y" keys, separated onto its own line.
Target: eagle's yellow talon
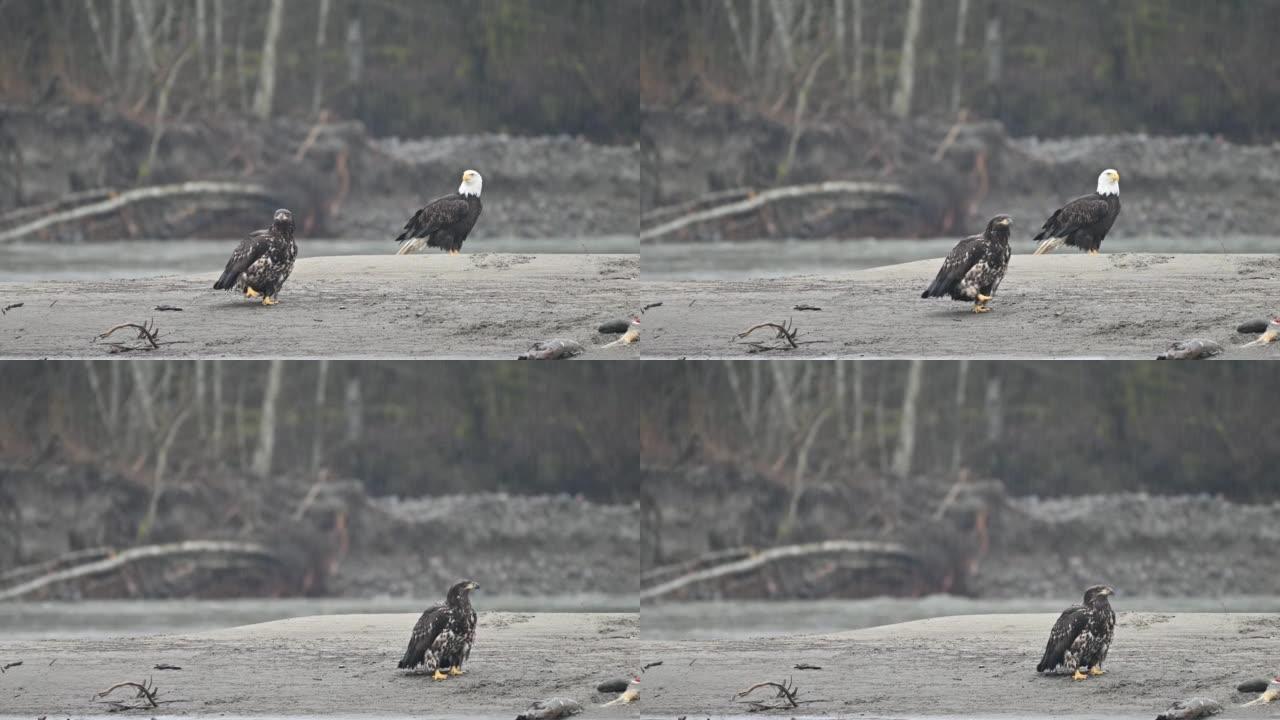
{"x": 455, "y": 671}
{"x": 269, "y": 301}
{"x": 1096, "y": 670}
{"x": 251, "y": 293}
{"x": 980, "y": 308}
{"x": 441, "y": 676}
{"x": 1078, "y": 675}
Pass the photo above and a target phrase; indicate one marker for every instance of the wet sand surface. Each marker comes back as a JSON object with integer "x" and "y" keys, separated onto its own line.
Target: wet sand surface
{"x": 478, "y": 305}
{"x": 1065, "y": 305}
{"x": 331, "y": 665}
{"x": 977, "y": 665}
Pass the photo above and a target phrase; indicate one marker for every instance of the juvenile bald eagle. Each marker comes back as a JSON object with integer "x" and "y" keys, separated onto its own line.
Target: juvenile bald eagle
{"x": 1085, "y": 221}
{"x": 1079, "y": 641}
{"x": 445, "y": 222}
{"x": 263, "y": 261}
{"x": 974, "y": 268}
{"x": 442, "y": 638}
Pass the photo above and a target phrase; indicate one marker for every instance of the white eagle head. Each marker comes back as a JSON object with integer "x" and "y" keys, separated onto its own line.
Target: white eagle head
{"x": 471, "y": 183}
{"x": 1109, "y": 182}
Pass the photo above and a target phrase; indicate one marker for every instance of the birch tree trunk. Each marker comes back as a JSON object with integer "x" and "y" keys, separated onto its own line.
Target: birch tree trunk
{"x": 842, "y": 55}
{"x": 142, "y": 28}
{"x": 857, "y": 50}
{"x": 217, "y": 51}
{"x": 901, "y": 106}
{"x": 217, "y": 410}
{"x": 992, "y": 45}
{"x": 962, "y": 378}
{"x": 907, "y": 424}
{"x": 202, "y": 37}
{"x": 317, "y": 95}
{"x": 117, "y": 20}
{"x": 857, "y": 410}
{"x": 317, "y": 438}
{"x": 265, "y": 98}
{"x": 261, "y": 466}
{"x": 957, "y": 66}
{"x": 782, "y": 29}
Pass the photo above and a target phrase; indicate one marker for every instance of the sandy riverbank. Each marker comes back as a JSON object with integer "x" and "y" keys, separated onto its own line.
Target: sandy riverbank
{"x": 1067, "y": 305}
{"x": 480, "y": 305}
{"x": 331, "y": 665}
{"x": 977, "y": 665}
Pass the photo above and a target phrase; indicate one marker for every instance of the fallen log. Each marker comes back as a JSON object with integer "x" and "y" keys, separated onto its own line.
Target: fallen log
{"x": 72, "y": 199}
{"x": 75, "y": 556}
{"x": 130, "y": 197}
{"x": 132, "y": 555}
{"x": 876, "y": 554}
{"x": 876, "y": 195}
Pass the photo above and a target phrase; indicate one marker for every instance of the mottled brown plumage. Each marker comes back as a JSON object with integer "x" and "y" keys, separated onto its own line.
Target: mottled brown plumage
{"x": 263, "y": 261}
{"x": 442, "y": 638}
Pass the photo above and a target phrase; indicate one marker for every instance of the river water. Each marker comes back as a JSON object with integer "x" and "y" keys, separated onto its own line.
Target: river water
{"x": 111, "y": 618}
{"x": 743, "y": 619}
{"x": 31, "y": 261}
{"x": 782, "y": 258}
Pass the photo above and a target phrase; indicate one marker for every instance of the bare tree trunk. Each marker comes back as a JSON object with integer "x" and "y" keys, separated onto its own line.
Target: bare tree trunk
{"x": 907, "y": 65}
{"x": 241, "y": 83}
{"x": 782, "y": 29}
{"x": 842, "y": 55}
{"x": 782, "y": 390}
{"x": 267, "y": 421}
{"x": 217, "y": 51}
{"x": 317, "y": 95}
{"x": 142, "y": 27}
{"x": 753, "y": 47}
{"x": 907, "y": 424}
{"x": 736, "y": 30}
{"x": 217, "y": 410}
{"x": 962, "y": 380}
{"x": 96, "y": 25}
{"x": 842, "y": 404}
{"x": 198, "y": 396}
{"x": 857, "y": 411}
{"x": 354, "y": 412}
{"x": 994, "y": 411}
{"x": 263, "y": 101}
{"x": 992, "y": 44}
{"x": 317, "y": 439}
{"x": 957, "y": 66}
{"x": 878, "y": 66}
{"x": 113, "y": 402}
{"x": 142, "y": 388}
{"x": 117, "y": 21}
{"x": 355, "y": 47}
{"x": 202, "y": 37}
{"x": 857, "y": 50}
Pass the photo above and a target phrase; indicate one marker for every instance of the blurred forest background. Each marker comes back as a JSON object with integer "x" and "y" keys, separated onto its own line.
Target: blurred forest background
{"x": 328, "y": 478}
{"x": 947, "y": 112}
{"x": 401, "y": 67}
{"x": 351, "y": 113}
{"x": 1000, "y": 478}
{"x": 1073, "y": 67}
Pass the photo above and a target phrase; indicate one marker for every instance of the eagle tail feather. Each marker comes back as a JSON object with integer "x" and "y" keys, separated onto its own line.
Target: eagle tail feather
{"x": 226, "y": 281}
{"x": 412, "y": 246}
{"x": 1049, "y": 245}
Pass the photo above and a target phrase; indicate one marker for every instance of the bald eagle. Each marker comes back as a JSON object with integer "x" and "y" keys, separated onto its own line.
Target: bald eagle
{"x": 442, "y": 638}
{"x": 445, "y": 222}
{"x": 974, "y": 268}
{"x": 1085, "y": 221}
{"x": 1080, "y": 639}
{"x": 262, "y": 262}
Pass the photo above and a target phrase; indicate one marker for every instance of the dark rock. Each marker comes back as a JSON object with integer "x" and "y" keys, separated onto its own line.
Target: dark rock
{"x": 1257, "y": 685}
{"x": 1251, "y": 327}
{"x": 620, "y": 684}
{"x": 616, "y": 327}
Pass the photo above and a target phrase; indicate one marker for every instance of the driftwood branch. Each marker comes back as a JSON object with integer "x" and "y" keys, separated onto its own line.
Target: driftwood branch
{"x": 874, "y": 193}
{"x": 786, "y": 691}
{"x": 145, "y": 690}
{"x": 786, "y": 331}
{"x": 75, "y": 556}
{"x": 70, "y": 199}
{"x": 714, "y": 198}
{"x": 132, "y": 555}
{"x": 872, "y": 550}
{"x": 129, "y": 197}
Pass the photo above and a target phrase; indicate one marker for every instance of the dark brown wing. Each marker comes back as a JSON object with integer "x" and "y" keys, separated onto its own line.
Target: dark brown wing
{"x": 249, "y": 250}
{"x": 958, "y": 261}
{"x": 1081, "y": 212}
{"x": 1070, "y": 624}
{"x": 439, "y": 213}
{"x": 424, "y": 634}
